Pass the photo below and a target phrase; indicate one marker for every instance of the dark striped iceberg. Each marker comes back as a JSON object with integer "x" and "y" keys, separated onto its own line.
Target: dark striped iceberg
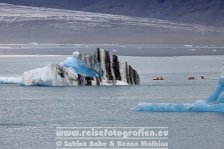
{"x": 102, "y": 68}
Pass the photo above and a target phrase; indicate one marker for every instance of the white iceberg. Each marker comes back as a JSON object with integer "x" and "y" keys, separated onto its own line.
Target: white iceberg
{"x": 50, "y": 75}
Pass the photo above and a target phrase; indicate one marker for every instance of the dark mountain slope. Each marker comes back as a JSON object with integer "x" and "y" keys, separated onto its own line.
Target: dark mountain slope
{"x": 209, "y": 12}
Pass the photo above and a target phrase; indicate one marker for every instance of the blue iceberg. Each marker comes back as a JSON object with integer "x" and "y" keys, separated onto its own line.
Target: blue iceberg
{"x": 215, "y": 103}
{"x": 79, "y": 66}
{"x": 197, "y": 106}
{"x": 218, "y": 94}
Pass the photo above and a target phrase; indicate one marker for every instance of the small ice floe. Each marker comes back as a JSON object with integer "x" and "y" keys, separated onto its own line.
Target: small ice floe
{"x": 4, "y": 47}
{"x": 34, "y": 44}
{"x": 188, "y": 45}
{"x": 214, "y": 50}
{"x": 78, "y": 45}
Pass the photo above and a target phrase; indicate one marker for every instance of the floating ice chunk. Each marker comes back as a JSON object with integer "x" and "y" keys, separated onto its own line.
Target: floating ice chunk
{"x": 197, "y": 106}
{"x": 9, "y": 80}
{"x": 188, "y": 45}
{"x": 34, "y": 44}
{"x": 50, "y": 75}
{"x": 79, "y": 66}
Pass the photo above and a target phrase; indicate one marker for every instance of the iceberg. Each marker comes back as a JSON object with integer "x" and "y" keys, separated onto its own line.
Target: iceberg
{"x": 198, "y": 106}
{"x": 102, "y": 68}
{"x": 218, "y": 94}
{"x": 214, "y": 103}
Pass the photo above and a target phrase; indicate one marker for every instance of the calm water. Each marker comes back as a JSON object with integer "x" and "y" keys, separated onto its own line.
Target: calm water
{"x": 29, "y": 115}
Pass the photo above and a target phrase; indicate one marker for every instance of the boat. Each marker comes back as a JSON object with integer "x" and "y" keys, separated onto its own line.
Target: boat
{"x": 158, "y": 78}
{"x": 191, "y": 78}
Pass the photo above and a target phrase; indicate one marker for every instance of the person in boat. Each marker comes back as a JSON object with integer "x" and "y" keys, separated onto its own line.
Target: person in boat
{"x": 158, "y": 78}
{"x": 191, "y": 78}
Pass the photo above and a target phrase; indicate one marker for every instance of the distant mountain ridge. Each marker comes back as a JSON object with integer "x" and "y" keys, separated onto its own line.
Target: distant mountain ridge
{"x": 207, "y": 12}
